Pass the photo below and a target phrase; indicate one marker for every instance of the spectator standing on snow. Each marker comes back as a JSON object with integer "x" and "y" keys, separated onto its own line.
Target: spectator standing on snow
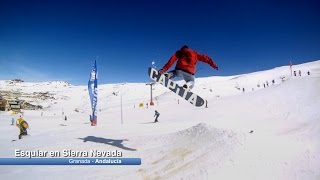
{"x": 22, "y": 125}
{"x": 12, "y": 121}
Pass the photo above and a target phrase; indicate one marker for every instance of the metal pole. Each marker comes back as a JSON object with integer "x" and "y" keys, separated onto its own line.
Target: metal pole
{"x": 151, "y": 94}
{"x": 151, "y": 102}
{"x": 121, "y": 111}
{"x": 291, "y": 68}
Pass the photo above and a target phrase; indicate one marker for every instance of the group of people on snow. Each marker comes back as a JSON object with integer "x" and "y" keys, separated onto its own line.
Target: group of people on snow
{"x": 299, "y": 72}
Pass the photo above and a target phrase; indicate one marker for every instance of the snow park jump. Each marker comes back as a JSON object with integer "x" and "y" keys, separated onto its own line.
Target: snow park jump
{"x": 157, "y": 90}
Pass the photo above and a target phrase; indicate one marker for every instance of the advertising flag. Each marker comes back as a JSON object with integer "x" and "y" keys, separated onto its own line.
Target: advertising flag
{"x": 93, "y": 93}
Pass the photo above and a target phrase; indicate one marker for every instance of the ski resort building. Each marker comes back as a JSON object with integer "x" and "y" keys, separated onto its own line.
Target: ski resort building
{"x": 4, "y": 106}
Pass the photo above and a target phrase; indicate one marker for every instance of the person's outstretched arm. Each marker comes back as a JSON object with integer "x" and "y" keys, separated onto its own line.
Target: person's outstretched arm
{"x": 206, "y": 59}
{"x": 169, "y": 64}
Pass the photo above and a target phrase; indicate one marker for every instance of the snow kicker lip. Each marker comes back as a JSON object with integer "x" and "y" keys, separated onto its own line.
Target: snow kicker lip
{"x": 190, "y": 152}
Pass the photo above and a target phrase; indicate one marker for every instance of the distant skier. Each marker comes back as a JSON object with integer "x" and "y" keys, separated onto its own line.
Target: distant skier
{"x": 186, "y": 65}
{"x": 65, "y": 118}
{"x": 12, "y": 121}
{"x": 156, "y": 114}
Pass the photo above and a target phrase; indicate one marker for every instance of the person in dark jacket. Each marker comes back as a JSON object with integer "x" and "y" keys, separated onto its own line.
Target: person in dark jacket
{"x": 156, "y": 114}
{"x": 186, "y": 65}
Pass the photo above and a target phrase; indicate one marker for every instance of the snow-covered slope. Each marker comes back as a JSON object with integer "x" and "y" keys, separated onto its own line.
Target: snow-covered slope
{"x": 258, "y": 133}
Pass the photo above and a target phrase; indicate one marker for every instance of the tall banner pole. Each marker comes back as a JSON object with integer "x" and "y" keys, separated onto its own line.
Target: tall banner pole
{"x": 291, "y": 68}
{"x": 121, "y": 111}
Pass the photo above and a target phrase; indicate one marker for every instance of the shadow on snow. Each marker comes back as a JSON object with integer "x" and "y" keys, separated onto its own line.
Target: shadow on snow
{"x": 112, "y": 142}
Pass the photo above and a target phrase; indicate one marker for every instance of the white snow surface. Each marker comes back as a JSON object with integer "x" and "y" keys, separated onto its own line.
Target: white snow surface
{"x": 262, "y": 133}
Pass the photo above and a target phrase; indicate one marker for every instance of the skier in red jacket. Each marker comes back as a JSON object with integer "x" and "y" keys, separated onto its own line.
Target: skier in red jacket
{"x": 186, "y": 65}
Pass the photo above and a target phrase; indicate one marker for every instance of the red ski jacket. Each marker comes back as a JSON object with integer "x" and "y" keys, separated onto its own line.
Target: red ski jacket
{"x": 187, "y": 60}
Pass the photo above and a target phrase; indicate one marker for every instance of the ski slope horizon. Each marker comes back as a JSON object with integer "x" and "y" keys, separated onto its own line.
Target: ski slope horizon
{"x": 252, "y": 129}
{"x": 61, "y": 81}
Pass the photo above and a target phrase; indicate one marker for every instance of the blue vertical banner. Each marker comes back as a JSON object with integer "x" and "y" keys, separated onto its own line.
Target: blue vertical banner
{"x": 93, "y": 93}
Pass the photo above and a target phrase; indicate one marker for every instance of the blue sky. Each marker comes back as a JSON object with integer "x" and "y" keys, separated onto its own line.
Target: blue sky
{"x": 59, "y": 40}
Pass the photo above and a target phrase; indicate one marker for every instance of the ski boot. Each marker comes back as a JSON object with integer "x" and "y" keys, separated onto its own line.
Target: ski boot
{"x": 188, "y": 86}
{"x": 169, "y": 75}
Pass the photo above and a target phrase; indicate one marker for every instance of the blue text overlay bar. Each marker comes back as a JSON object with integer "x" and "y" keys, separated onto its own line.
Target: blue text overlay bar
{"x": 70, "y": 161}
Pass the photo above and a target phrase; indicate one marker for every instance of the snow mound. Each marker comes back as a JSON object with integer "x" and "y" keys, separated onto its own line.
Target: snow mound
{"x": 179, "y": 153}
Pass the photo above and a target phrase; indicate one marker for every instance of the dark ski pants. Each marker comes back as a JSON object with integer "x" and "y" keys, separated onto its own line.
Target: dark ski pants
{"x": 156, "y": 120}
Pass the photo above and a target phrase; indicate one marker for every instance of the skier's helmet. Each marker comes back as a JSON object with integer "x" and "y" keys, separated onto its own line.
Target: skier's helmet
{"x": 184, "y": 47}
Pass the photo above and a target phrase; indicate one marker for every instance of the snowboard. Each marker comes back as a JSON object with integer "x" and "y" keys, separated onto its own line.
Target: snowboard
{"x": 189, "y": 96}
